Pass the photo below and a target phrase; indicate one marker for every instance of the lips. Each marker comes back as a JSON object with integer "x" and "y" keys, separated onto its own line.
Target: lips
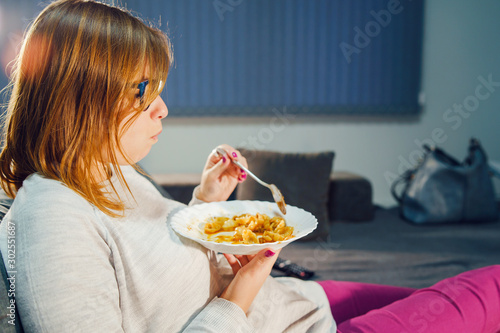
{"x": 156, "y": 135}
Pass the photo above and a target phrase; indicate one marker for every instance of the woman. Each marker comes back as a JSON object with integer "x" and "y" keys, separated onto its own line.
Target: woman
{"x": 94, "y": 251}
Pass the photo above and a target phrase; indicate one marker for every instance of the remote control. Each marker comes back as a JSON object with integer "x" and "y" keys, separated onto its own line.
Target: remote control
{"x": 291, "y": 269}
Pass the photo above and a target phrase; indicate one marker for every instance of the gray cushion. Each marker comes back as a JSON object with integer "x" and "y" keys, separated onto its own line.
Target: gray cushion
{"x": 302, "y": 178}
{"x": 4, "y": 207}
{"x": 5, "y": 315}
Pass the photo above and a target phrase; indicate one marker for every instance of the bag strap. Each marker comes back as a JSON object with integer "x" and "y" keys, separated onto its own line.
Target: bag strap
{"x": 494, "y": 171}
{"x": 404, "y": 178}
{"x": 407, "y": 175}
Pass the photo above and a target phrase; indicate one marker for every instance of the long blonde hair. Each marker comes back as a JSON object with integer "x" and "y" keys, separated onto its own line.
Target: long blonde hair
{"x": 77, "y": 72}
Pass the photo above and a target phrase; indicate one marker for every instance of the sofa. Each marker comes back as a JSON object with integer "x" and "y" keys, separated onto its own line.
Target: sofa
{"x": 363, "y": 243}
{"x": 358, "y": 241}
{"x": 373, "y": 244}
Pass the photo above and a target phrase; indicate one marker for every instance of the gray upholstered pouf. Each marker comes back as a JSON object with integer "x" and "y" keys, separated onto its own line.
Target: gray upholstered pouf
{"x": 350, "y": 197}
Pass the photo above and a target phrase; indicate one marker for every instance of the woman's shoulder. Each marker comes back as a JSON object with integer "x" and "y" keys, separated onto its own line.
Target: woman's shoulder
{"x": 42, "y": 194}
{"x": 37, "y": 183}
{"x": 46, "y": 212}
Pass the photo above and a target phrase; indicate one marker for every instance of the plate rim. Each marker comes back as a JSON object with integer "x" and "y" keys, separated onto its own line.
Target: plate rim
{"x": 263, "y": 245}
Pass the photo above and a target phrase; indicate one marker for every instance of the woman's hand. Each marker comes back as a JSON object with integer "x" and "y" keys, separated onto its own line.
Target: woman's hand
{"x": 220, "y": 176}
{"x": 250, "y": 274}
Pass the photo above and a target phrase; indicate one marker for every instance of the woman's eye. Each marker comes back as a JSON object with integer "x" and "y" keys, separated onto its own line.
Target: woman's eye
{"x": 147, "y": 107}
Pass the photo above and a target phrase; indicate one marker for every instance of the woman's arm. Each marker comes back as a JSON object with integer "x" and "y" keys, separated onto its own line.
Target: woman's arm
{"x": 228, "y": 312}
{"x": 219, "y": 179}
{"x": 250, "y": 273}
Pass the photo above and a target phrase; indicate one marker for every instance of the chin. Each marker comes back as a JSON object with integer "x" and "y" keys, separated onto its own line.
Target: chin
{"x": 141, "y": 156}
{"x": 134, "y": 158}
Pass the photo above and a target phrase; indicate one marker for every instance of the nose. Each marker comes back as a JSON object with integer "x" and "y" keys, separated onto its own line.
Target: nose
{"x": 158, "y": 109}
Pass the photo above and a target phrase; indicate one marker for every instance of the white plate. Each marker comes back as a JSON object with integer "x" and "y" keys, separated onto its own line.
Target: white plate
{"x": 189, "y": 223}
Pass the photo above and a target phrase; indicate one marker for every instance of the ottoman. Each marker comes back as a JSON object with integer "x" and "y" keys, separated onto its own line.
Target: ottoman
{"x": 349, "y": 197}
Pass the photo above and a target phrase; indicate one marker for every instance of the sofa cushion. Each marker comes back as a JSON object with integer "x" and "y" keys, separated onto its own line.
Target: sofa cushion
{"x": 302, "y": 178}
{"x": 8, "y": 312}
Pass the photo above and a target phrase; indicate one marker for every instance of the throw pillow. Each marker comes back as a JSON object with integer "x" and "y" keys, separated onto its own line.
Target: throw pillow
{"x": 302, "y": 178}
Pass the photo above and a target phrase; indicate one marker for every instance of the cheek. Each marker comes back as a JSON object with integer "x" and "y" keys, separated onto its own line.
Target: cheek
{"x": 132, "y": 143}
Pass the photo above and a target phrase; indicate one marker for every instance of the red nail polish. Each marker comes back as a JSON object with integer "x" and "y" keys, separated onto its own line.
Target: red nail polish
{"x": 223, "y": 160}
{"x": 234, "y": 154}
{"x": 269, "y": 253}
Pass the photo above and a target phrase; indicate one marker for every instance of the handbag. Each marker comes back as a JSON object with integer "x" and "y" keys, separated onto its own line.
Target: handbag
{"x": 442, "y": 190}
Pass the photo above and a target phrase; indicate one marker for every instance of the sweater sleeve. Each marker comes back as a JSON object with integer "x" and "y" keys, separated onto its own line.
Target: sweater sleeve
{"x": 220, "y": 316}
{"x": 194, "y": 199}
{"x": 65, "y": 281}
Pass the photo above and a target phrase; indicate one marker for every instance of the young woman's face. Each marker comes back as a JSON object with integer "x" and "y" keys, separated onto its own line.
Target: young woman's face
{"x": 143, "y": 133}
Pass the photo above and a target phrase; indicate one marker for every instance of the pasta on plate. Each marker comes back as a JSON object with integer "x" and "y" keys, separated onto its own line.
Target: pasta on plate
{"x": 247, "y": 229}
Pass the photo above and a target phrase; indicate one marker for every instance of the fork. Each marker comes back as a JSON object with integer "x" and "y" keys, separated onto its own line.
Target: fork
{"x": 277, "y": 196}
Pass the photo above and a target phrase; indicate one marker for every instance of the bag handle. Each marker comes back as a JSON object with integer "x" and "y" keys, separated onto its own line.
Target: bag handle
{"x": 494, "y": 172}
{"x": 445, "y": 157}
{"x": 404, "y": 178}
{"x": 407, "y": 176}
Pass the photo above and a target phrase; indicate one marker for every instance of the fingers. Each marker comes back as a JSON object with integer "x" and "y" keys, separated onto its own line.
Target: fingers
{"x": 243, "y": 259}
{"x": 222, "y": 164}
{"x": 225, "y": 167}
{"x": 230, "y": 151}
{"x": 231, "y": 154}
{"x": 250, "y": 257}
{"x": 220, "y": 176}
{"x": 266, "y": 257}
{"x": 233, "y": 262}
{"x": 237, "y": 261}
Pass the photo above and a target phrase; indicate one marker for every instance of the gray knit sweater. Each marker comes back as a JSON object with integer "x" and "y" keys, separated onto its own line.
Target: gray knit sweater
{"x": 78, "y": 270}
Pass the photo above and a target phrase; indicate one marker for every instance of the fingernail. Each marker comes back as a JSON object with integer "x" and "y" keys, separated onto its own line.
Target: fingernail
{"x": 269, "y": 253}
{"x": 223, "y": 159}
{"x": 234, "y": 154}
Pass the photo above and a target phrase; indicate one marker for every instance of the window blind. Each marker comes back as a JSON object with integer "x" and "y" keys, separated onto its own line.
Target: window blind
{"x": 242, "y": 57}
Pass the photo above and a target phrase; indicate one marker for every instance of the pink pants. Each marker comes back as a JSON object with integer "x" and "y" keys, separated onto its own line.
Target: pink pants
{"x": 468, "y": 302}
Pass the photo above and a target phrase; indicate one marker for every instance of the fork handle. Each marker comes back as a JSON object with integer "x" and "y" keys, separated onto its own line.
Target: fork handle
{"x": 222, "y": 152}
{"x": 251, "y": 174}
